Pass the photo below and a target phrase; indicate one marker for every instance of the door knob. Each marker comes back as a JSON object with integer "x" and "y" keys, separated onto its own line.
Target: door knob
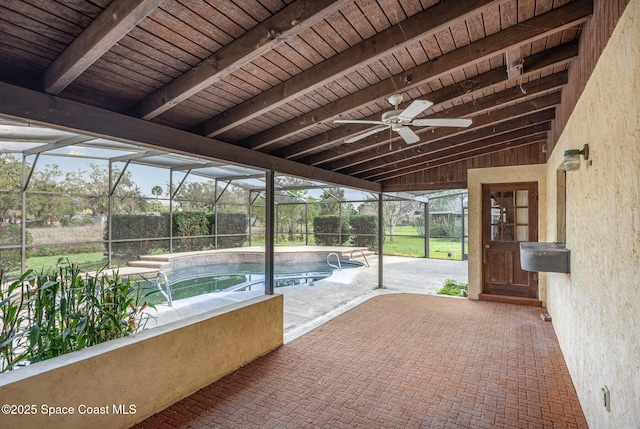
{"x": 486, "y": 246}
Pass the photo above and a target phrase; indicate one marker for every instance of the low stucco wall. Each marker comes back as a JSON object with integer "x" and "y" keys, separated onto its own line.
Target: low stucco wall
{"x": 596, "y": 309}
{"x": 126, "y": 380}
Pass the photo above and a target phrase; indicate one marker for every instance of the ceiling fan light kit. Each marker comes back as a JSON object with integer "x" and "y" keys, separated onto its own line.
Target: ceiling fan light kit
{"x": 399, "y": 120}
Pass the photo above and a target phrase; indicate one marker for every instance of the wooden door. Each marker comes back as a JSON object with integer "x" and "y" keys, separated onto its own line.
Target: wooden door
{"x": 509, "y": 216}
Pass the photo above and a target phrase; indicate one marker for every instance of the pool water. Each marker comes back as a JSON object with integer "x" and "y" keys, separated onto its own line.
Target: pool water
{"x": 197, "y": 280}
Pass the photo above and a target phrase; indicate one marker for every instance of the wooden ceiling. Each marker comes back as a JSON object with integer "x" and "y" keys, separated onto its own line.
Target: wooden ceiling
{"x": 271, "y": 76}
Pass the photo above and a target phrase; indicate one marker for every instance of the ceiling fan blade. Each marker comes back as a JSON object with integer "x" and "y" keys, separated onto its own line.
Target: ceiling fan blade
{"x": 414, "y": 109}
{"x": 442, "y": 122}
{"x": 367, "y": 134}
{"x": 355, "y": 121}
{"x": 408, "y": 135}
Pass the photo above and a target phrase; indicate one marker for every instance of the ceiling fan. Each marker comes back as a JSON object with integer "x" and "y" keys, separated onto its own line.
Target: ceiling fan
{"x": 399, "y": 120}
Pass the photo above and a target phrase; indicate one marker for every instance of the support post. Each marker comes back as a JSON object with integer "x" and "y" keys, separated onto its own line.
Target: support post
{"x": 110, "y": 215}
{"x": 171, "y": 196}
{"x": 269, "y": 234}
{"x": 462, "y": 226}
{"x": 426, "y": 230}
{"x": 380, "y": 239}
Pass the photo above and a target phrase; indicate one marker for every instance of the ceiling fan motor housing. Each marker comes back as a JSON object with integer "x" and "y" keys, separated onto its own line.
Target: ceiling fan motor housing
{"x": 393, "y": 117}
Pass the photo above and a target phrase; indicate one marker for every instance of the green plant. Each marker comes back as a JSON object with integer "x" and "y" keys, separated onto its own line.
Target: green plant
{"x": 452, "y": 287}
{"x": 364, "y": 230}
{"x": 330, "y": 230}
{"x": 49, "y": 313}
{"x": 158, "y": 251}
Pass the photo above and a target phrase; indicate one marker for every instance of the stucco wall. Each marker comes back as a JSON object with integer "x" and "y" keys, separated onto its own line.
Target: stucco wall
{"x": 148, "y": 371}
{"x": 478, "y": 177}
{"x": 596, "y": 309}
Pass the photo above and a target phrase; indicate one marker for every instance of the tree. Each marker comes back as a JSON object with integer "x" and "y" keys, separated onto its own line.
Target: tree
{"x": 156, "y": 191}
{"x": 331, "y": 197}
{"x": 46, "y": 202}
{"x": 10, "y": 180}
{"x": 395, "y": 211}
{"x": 197, "y": 196}
{"x": 291, "y": 213}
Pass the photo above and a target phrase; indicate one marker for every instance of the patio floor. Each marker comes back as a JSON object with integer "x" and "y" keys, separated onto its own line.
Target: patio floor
{"x": 399, "y": 360}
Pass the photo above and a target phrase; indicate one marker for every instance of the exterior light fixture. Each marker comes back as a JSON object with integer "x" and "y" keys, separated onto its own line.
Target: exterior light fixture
{"x": 572, "y": 158}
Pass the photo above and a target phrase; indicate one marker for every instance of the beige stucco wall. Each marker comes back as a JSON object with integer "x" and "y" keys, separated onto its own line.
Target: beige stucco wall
{"x": 596, "y": 309}
{"x": 478, "y": 177}
{"x": 149, "y": 370}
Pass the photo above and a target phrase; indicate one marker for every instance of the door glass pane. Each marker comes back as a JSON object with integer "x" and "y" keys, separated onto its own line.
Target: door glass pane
{"x": 508, "y": 233}
{"x": 522, "y": 198}
{"x": 508, "y": 199}
{"x": 495, "y": 233}
{"x": 509, "y": 215}
{"x": 523, "y": 233}
{"x": 495, "y": 215}
{"x": 523, "y": 216}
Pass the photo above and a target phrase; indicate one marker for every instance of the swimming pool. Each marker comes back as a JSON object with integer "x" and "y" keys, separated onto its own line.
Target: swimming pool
{"x": 190, "y": 281}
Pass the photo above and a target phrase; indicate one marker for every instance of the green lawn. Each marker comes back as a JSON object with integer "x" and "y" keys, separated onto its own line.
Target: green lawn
{"x": 405, "y": 243}
{"x": 86, "y": 261}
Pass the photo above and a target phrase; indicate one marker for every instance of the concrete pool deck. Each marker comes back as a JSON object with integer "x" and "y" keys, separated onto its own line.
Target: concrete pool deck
{"x": 308, "y": 306}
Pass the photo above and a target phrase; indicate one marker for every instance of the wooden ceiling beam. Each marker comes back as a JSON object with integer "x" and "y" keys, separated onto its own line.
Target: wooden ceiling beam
{"x": 322, "y": 144}
{"x": 487, "y": 110}
{"x": 541, "y": 26}
{"x": 424, "y": 186}
{"x": 499, "y": 131}
{"x": 256, "y": 42}
{"x": 434, "y": 19}
{"x": 524, "y": 136}
{"x": 490, "y": 110}
{"x": 115, "y": 21}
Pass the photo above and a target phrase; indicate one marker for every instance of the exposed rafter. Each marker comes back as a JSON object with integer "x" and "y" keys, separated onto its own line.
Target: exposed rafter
{"x": 526, "y": 32}
{"x": 293, "y": 19}
{"x": 501, "y": 99}
{"x": 105, "y": 31}
{"x": 429, "y": 22}
{"x": 554, "y": 57}
{"x": 257, "y": 85}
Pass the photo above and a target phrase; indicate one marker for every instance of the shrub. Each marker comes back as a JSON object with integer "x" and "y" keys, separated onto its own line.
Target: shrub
{"x": 327, "y": 230}
{"x": 234, "y": 228}
{"x": 364, "y": 231}
{"x": 189, "y": 224}
{"x": 191, "y": 231}
{"x": 127, "y": 226}
{"x": 452, "y": 287}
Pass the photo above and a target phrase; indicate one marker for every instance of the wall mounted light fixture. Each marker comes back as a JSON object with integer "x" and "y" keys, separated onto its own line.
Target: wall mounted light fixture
{"x": 572, "y": 158}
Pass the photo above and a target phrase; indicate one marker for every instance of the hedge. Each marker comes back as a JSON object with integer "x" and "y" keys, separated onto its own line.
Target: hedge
{"x": 364, "y": 231}
{"x": 326, "y": 230}
{"x": 189, "y": 224}
{"x": 233, "y": 226}
{"x": 184, "y": 226}
{"x": 128, "y": 226}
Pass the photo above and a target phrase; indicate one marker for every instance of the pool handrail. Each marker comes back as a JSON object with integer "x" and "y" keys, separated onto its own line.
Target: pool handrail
{"x": 167, "y": 285}
{"x": 363, "y": 255}
{"x": 337, "y": 267}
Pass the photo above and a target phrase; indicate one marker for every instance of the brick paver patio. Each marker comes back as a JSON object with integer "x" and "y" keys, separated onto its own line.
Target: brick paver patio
{"x": 396, "y": 361}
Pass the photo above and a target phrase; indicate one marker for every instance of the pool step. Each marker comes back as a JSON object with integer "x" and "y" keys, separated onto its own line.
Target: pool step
{"x": 158, "y": 265}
